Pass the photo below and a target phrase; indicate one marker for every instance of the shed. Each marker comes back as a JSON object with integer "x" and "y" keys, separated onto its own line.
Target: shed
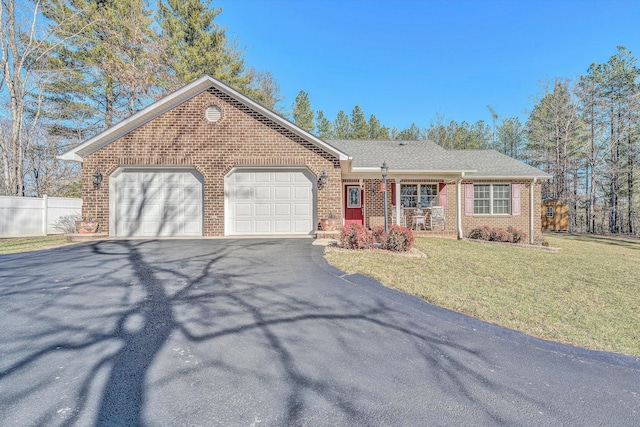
{"x": 555, "y": 215}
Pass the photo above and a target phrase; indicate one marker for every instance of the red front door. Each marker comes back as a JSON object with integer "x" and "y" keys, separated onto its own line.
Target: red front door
{"x": 353, "y": 204}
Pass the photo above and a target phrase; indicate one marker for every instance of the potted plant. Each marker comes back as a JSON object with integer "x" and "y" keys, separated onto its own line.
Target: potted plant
{"x": 89, "y": 225}
{"x": 329, "y": 223}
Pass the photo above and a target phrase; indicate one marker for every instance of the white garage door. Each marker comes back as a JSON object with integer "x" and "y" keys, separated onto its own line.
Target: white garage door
{"x": 159, "y": 203}
{"x": 269, "y": 202}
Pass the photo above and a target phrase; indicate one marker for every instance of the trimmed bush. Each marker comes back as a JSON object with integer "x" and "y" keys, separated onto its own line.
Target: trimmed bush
{"x": 481, "y": 233}
{"x": 519, "y": 236}
{"x": 356, "y": 236}
{"x": 501, "y": 235}
{"x": 379, "y": 236}
{"x": 399, "y": 239}
{"x": 497, "y": 234}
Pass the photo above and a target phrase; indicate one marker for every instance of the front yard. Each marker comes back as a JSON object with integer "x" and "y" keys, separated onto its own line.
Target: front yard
{"x": 587, "y": 293}
{"x": 28, "y": 244}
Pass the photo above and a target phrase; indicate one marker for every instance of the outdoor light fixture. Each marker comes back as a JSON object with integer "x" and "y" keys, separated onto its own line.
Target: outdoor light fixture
{"x": 384, "y": 168}
{"x": 97, "y": 178}
{"x": 322, "y": 179}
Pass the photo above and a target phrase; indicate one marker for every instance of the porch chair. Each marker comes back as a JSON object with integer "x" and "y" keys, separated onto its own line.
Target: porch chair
{"x": 418, "y": 221}
{"x": 437, "y": 216}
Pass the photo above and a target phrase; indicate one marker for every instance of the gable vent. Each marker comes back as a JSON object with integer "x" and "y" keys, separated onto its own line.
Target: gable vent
{"x": 213, "y": 114}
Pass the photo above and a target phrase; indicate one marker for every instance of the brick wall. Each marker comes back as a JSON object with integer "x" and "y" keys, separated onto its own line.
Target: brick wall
{"x": 182, "y": 136}
{"x": 374, "y": 207}
{"x": 520, "y": 221}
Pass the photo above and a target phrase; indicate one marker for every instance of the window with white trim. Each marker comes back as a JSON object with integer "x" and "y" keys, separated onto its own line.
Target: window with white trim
{"x": 549, "y": 211}
{"x": 423, "y": 195}
{"x": 491, "y": 199}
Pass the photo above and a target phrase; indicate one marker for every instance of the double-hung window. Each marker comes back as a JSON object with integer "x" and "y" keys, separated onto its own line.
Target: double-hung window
{"x": 414, "y": 195}
{"x": 491, "y": 199}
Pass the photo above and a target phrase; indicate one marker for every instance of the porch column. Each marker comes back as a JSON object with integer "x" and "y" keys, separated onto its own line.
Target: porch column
{"x": 397, "y": 218}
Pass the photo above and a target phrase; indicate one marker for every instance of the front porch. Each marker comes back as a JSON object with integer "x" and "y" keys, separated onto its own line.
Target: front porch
{"x": 427, "y": 206}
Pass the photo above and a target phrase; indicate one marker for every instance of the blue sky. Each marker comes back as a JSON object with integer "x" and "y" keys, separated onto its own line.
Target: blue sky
{"x": 407, "y": 61}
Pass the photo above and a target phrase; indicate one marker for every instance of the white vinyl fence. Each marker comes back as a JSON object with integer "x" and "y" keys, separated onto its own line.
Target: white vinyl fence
{"x": 31, "y": 216}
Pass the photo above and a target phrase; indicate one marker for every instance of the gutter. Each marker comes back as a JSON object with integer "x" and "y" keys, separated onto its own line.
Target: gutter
{"x": 509, "y": 178}
{"x": 362, "y": 169}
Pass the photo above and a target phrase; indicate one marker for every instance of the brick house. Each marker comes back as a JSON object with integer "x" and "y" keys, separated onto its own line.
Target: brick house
{"x": 209, "y": 161}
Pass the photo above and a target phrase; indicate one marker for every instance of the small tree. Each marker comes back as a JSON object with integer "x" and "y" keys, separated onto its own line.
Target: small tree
{"x": 302, "y": 112}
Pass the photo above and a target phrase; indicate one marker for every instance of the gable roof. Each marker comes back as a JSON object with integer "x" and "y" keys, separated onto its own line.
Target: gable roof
{"x": 176, "y": 98}
{"x": 427, "y": 156}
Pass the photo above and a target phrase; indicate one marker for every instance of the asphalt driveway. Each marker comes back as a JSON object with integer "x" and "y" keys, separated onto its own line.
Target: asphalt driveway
{"x": 265, "y": 333}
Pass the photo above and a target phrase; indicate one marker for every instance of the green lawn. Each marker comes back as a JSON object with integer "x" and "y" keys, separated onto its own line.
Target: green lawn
{"x": 587, "y": 293}
{"x": 27, "y": 244}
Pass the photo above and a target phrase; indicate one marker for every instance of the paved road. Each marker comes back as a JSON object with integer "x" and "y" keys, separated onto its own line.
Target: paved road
{"x": 265, "y": 333}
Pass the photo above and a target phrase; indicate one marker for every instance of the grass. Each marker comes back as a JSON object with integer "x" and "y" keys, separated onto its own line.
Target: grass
{"x": 586, "y": 294}
{"x": 28, "y": 244}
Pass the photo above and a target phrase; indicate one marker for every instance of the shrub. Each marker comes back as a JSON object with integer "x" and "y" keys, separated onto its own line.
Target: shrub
{"x": 501, "y": 235}
{"x": 481, "y": 233}
{"x": 67, "y": 223}
{"x": 379, "y": 236}
{"x": 399, "y": 239}
{"x": 356, "y": 236}
{"x": 519, "y": 236}
{"x": 497, "y": 234}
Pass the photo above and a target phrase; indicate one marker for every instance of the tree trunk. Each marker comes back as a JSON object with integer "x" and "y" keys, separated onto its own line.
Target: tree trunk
{"x": 630, "y": 189}
{"x": 108, "y": 104}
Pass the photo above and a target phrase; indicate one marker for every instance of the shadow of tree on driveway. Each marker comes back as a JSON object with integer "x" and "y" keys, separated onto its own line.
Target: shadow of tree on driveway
{"x": 223, "y": 332}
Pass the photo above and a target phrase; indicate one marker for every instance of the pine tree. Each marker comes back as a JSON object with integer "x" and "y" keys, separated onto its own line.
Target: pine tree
{"x": 412, "y": 133}
{"x": 111, "y": 60}
{"x": 323, "y": 125}
{"x": 302, "y": 112}
{"x": 374, "y": 127}
{"x": 359, "y": 126}
{"x": 342, "y": 126}
{"x": 199, "y": 46}
{"x": 511, "y": 137}
{"x": 384, "y": 134}
{"x": 554, "y": 130}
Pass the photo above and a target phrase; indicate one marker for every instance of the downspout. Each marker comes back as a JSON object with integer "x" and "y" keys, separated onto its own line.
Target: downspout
{"x": 459, "y": 206}
{"x": 532, "y": 210}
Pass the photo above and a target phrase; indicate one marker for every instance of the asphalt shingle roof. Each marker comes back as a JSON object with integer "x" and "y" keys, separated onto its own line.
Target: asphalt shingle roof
{"x": 399, "y": 155}
{"x": 490, "y": 163}
{"x": 428, "y": 156}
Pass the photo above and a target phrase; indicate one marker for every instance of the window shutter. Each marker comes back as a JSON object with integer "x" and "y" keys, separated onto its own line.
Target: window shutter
{"x": 515, "y": 199}
{"x": 468, "y": 199}
{"x": 442, "y": 194}
{"x": 393, "y": 192}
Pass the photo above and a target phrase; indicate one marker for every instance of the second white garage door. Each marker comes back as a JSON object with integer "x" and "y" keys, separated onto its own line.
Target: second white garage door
{"x": 269, "y": 202}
